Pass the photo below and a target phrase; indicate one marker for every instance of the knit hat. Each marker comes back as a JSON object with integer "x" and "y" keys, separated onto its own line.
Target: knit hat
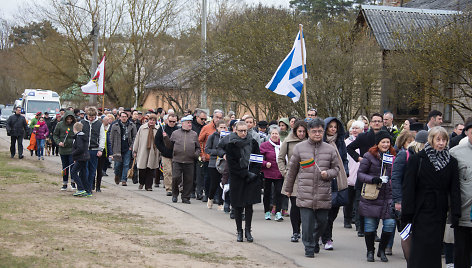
{"x": 231, "y": 124}
{"x": 416, "y": 126}
{"x": 382, "y": 134}
{"x": 468, "y": 124}
{"x": 186, "y": 118}
{"x": 262, "y": 123}
{"x": 422, "y": 136}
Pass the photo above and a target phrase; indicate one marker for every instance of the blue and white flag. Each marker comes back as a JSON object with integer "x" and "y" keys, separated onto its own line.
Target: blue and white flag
{"x": 256, "y": 158}
{"x": 405, "y": 233}
{"x": 387, "y": 158}
{"x": 288, "y": 79}
{"x": 224, "y": 133}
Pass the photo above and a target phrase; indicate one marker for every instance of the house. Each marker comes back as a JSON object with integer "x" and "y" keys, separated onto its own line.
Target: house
{"x": 387, "y": 24}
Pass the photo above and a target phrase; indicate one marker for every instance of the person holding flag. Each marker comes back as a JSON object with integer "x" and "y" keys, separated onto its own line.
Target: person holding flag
{"x": 376, "y": 168}
{"x": 63, "y": 136}
{"x": 314, "y": 163}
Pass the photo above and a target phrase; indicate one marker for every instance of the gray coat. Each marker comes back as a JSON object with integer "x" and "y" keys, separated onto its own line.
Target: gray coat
{"x": 313, "y": 191}
{"x": 462, "y": 153}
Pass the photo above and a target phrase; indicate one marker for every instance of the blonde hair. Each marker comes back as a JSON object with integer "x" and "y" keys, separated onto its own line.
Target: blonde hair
{"x": 78, "y": 127}
{"x": 433, "y": 132}
{"x": 349, "y": 124}
{"x": 111, "y": 116}
{"x": 416, "y": 146}
{"x": 403, "y": 138}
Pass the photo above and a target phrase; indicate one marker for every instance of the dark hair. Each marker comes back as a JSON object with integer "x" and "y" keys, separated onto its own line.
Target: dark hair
{"x": 376, "y": 114}
{"x": 159, "y": 110}
{"x": 292, "y": 117}
{"x": 315, "y": 123}
{"x": 299, "y": 123}
{"x": 412, "y": 120}
{"x": 458, "y": 124}
{"x": 313, "y": 109}
{"x": 76, "y": 111}
{"x": 434, "y": 113}
{"x": 123, "y": 112}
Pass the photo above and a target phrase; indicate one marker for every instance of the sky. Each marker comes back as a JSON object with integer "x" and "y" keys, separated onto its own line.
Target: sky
{"x": 9, "y": 7}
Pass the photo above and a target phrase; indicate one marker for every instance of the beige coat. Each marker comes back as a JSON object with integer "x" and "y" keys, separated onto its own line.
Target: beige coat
{"x": 313, "y": 191}
{"x": 286, "y": 151}
{"x": 145, "y": 158}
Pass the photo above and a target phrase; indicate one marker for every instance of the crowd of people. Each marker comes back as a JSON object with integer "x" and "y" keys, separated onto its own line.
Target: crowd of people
{"x": 414, "y": 178}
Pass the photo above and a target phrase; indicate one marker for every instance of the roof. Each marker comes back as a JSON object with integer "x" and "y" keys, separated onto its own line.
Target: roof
{"x": 387, "y": 23}
{"x": 176, "y": 79}
{"x": 439, "y": 4}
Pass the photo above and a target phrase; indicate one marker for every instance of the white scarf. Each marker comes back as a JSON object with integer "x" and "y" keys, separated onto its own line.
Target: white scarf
{"x": 276, "y": 148}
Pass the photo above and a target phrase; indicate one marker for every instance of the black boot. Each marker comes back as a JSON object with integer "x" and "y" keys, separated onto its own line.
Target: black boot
{"x": 385, "y": 237}
{"x": 369, "y": 242}
{"x": 240, "y": 236}
{"x": 248, "y": 235}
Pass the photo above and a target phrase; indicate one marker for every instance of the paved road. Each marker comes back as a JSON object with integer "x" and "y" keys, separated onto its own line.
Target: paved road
{"x": 349, "y": 250}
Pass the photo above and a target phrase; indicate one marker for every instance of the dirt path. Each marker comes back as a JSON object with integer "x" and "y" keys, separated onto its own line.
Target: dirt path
{"x": 43, "y": 227}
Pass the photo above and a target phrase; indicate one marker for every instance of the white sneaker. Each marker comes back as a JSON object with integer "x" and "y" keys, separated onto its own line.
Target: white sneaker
{"x": 72, "y": 185}
{"x": 450, "y": 265}
{"x": 329, "y": 245}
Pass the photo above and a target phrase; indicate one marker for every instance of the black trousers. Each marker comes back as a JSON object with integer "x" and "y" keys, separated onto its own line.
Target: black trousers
{"x": 182, "y": 173}
{"x": 215, "y": 179}
{"x": 295, "y": 218}
{"x": 277, "y": 194}
{"x": 16, "y": 140}
{"x": 146, "y": 177}
{"x": 350, "y": 206}
{"x": 462, "y": 246}
{"x": 102, "y": 161}
{"x": 328, "y": 233}
{"x": 238, "y": 216}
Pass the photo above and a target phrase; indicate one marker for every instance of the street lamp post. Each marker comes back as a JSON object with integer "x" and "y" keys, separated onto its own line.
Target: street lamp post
{"x": 94, "y": 34}
{"x": 204, "y": 37}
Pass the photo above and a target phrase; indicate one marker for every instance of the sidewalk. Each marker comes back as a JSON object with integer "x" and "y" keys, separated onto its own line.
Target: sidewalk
{"x": 349, "y": 250}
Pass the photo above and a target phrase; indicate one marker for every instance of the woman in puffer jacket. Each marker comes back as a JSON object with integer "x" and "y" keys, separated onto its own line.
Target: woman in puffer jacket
{"x": 41, "y": 131}
{"x": 371, "y": 172}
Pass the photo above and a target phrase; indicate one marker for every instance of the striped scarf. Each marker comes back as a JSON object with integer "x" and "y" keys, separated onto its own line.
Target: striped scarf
{"x": 439, "y": 159}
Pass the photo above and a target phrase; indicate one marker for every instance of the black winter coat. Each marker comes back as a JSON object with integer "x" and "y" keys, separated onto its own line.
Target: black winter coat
{"x": 159, "y": 140}
{"x": 80, "y": 152}
{"x": 425, "y": 203}
{"x": 16, "y": 125}
{"x": 241, "y": 192}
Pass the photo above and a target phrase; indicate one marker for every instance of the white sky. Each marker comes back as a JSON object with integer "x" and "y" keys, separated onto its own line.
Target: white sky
{"x": 9, "y": 7}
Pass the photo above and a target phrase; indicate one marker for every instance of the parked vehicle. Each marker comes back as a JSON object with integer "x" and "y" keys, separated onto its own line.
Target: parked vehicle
{"x": 39, "y": 100}
{"x": 4, "y": 114}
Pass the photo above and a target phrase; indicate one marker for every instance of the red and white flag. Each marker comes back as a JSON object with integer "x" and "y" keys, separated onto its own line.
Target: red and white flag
{"x": 97, "y": 83}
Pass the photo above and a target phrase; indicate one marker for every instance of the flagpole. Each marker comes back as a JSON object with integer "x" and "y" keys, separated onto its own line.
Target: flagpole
{"x": 303, "y": 69}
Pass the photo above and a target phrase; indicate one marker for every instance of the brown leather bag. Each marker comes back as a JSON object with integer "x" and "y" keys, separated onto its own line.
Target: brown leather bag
{"x": 131, "y": 169}
{"x": 370, "y": 191}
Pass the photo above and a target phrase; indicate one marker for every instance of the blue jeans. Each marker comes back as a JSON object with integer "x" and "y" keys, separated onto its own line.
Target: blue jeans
{"x": 79, "y": 175}
{"x": 371, "y": 224}
{"x": 91, "y": 169}
{"x": 66, "y": 161}
{"x": 121, "y": 168}
{"x": 40, "y": 144}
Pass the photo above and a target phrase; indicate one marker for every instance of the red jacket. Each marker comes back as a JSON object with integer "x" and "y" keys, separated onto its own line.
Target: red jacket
{"x": 206, "y": 131}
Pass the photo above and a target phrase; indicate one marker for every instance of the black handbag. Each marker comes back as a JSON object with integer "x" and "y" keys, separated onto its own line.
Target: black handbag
{"x": 340, "y": 198}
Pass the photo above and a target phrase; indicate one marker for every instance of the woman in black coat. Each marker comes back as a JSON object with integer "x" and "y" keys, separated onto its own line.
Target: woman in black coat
{"x": 245, "y": 185}
{"x": 431, "y": 180}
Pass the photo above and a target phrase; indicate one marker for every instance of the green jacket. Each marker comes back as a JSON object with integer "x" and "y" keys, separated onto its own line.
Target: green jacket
{"x": 33, "y": 122}
{"x": 64, "y": 133}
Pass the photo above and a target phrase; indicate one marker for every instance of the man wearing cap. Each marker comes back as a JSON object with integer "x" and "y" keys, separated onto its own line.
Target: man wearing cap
{"x": 206, "y": 131}
{"x": 463, "y": 232}
{"x": 186, "y": 150}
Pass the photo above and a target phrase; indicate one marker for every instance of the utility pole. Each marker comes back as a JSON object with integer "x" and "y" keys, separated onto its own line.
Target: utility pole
{"x": 204, "y": 38}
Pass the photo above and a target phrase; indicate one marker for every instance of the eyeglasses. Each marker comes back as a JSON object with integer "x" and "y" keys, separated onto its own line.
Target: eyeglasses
{"x": 172, "y": 121}
{"x": 203, "y": 119}
{"x": 242, "y": 130}
{"x": 316, "y": 131}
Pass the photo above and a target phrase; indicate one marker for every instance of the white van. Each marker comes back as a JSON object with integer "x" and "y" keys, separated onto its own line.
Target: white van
{"x": 39, "y": 100}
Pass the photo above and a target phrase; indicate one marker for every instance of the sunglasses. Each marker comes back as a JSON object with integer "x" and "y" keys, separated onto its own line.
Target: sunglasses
{"x": 172, "y": 121}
